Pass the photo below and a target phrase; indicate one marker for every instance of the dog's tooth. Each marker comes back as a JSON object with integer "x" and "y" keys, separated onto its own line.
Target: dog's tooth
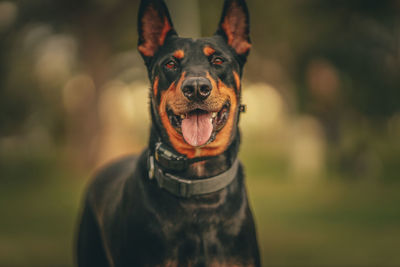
{"x": 214, "y": 114}
{"x": 183, "y": 116}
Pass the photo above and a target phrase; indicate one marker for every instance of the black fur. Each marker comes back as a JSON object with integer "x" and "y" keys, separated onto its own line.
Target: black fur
{"x": 128, "y": 220}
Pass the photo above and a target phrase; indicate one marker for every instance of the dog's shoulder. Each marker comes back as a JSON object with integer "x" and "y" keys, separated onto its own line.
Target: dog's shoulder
{"x": 108, "y": 181}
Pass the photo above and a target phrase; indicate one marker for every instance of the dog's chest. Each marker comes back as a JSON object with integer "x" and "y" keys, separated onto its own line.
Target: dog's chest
{"x": 199, "y": 237}
{"x": 192, "y": 243}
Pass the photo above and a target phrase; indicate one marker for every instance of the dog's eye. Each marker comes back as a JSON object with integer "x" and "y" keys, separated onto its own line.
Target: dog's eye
{"x": 171, "y": 64}
{"x": 217, "y": 60}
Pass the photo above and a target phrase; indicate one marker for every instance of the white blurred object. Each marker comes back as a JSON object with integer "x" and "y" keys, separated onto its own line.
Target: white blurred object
{"x": 266, "y": 113}
{"x": 124, "y": 116}
{"x": 55, "y": 59}
{"x": 307, "y": 148}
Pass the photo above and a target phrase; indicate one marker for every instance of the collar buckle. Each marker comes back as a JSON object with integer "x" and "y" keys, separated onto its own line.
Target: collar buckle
{"x": 168, "y": 159}
{"x": 151, "y": 167}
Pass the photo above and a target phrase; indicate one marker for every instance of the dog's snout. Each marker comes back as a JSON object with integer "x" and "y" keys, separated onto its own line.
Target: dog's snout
{"x": 196, "y": 88}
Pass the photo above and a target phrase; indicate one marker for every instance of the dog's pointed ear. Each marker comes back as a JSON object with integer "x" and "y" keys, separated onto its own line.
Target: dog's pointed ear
{"x": 234, "y": 26}
{"x": 154, "y": 27}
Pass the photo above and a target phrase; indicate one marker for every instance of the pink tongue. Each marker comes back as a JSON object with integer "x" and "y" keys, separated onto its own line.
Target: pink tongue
{"x": 197, "y": 128}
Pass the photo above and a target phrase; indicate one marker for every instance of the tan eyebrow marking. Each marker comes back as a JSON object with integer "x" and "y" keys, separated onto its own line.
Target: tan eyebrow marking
{"x": 208, "y": 50}
{"x": 179, "y": 54}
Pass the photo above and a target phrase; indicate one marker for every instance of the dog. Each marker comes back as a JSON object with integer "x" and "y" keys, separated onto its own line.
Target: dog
{"x": 183, "y": 201}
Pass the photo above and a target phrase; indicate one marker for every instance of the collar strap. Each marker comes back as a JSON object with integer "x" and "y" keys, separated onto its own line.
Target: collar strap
{"x": 182, "y": 187}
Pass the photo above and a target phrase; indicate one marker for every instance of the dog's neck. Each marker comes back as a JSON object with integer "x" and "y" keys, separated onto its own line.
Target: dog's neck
{"x": 206, "y": 168}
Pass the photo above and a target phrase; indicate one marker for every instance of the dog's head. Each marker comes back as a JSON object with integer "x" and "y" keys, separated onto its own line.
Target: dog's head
{"x": 196, "y": 85}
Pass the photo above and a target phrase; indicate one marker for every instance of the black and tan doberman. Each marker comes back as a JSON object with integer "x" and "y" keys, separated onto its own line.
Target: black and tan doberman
{"x": 183, "y": 201}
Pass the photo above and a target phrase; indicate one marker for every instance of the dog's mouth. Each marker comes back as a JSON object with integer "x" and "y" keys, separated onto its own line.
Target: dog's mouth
{"x": 199, "y": 127}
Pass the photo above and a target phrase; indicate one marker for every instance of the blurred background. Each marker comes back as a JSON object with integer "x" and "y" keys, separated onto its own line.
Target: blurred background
{"x": 321, "y": 138}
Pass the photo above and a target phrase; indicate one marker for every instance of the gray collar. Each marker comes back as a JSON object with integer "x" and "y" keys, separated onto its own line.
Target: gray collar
{"x": 182, "y": 187}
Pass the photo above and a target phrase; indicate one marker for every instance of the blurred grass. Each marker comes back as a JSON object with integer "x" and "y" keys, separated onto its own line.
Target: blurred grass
{"x": 39, "y": 201}
{"x": 328, "y": 222}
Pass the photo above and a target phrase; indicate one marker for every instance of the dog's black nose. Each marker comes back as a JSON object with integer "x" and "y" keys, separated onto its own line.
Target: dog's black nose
{"x": 196, "y": 88}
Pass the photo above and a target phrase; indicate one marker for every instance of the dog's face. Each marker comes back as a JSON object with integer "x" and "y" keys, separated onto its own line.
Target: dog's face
{"x": 196, "y": 84}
